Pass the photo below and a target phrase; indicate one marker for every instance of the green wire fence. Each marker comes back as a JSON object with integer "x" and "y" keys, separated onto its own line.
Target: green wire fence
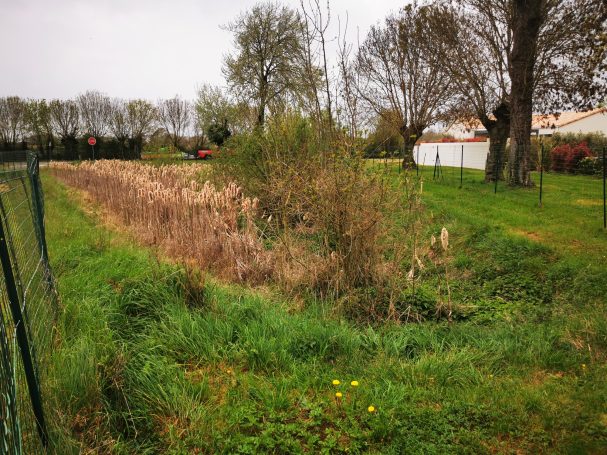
{"x": 28, "y": 306}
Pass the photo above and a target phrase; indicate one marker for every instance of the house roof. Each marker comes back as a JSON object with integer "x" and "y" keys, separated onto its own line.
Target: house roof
{"x": 564, "y": 118}
{"x": 545, "y": 121}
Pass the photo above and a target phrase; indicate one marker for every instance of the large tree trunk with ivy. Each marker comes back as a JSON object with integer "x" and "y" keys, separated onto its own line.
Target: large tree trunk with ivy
{"x": 410, "y": 136}
{"x": 499, "y": 130}
{"x": 527, "y": 19}
{"x": 494, "y": 167}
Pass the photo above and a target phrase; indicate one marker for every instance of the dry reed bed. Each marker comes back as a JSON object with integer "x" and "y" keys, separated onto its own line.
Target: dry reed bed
{"x": 167, "y": 206}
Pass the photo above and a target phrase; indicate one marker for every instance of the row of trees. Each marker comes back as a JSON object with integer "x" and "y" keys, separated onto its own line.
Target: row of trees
{"x": 439, "y": 62}
{"x": 127, "y": 123}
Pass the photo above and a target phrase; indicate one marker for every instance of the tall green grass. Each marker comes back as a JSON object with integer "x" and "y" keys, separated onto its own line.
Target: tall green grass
{"x": 147, "y": 362}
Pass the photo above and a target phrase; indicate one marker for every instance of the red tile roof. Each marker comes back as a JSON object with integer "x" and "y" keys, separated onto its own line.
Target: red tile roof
{"x": 564, "y": 118}
{"x": 544, "y": 120}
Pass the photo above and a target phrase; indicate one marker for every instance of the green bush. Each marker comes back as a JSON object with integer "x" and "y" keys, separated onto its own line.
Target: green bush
{"x": 589, "y": 166}
{"x": 595, "y": 141}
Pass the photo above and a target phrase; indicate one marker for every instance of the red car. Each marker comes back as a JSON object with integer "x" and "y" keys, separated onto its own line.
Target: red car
{"x": 204, "y": 154}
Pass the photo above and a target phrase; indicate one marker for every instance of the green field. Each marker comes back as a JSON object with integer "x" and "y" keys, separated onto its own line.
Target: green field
{"x": 154, "y": 359}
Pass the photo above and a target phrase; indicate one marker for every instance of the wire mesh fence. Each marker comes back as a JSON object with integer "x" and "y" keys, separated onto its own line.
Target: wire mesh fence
{"x": 585, "y": 165}
{"x": 28, "y": 305}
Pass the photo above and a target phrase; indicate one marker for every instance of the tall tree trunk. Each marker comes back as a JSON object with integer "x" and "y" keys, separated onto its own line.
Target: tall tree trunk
{"x": 410, "y": 136}
{"x": 527, "y": 19}
{"x": 498, "y": 137}
{"x": 261, "y": 115}
{"x": 499, "y": 130}
{"x": 328, "y": 89}
{"x": 263, "y": 100}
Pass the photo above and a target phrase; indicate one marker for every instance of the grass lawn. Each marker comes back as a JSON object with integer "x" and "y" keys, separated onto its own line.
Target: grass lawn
{"x": 152, "y": 361}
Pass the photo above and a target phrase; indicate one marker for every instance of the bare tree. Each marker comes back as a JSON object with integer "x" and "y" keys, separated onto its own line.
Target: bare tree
{"x": 215, "y": 113}
{"x": 65, "y": 119}
{"x": 316, "y": 21}
{"x": 347, "y": 101}
{"x": 526, "y": 23}
{"x": 38, "y": 118}
{"x": 477, "y": 62}
{"x": 95, "y": 112}
{"x": 476, "y": 43}
{"x": 141, "y": 119}
{"x": 13, "y": 121}
{"x": 265, "y": 67}
{"x": 175, "y": 115}
{"x": 399, "y": 81}
{"x": 558, "y": 60}
{"x": 118, "y": 124}
{"x": 213, "y": 106}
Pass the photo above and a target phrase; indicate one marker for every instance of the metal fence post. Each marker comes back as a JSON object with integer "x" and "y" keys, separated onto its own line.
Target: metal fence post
{"x": 11, "y": 434}
{"x": 22, "y": 340}
{"x": 541, "y": 171}
{"x": 33, "y": 172}
{"x": 604, "y": 191}
{"x": 461, "y": 169}
{"x": 496, "y": 171}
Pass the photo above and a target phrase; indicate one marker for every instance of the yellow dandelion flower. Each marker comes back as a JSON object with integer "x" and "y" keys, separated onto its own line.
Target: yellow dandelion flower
{"x": 336, "y": 382}
{"x": 338, "y": 394}
{"x": 583, "y": 366}
{"x": 371, "y": 409}
{"x": 354, "y": 383}
{"x": 490, "y": 376}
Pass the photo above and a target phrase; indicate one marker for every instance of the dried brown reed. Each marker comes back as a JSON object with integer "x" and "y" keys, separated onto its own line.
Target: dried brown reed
{"x": 168, "y": 207}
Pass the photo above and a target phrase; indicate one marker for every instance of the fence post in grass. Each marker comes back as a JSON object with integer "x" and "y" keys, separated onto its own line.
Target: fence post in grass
{"x": 495, "y": 172}
{"x": 461, "y": 169}
{"x": 22, "y": 340}
{"x": 436, "y": 165}
{"x": 604, "y": 191}
{"x": 33, "y": 170}
{"x": 541, "y": 171}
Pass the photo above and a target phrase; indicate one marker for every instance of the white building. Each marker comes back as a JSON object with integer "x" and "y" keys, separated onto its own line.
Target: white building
{"x": 594, "y": 121}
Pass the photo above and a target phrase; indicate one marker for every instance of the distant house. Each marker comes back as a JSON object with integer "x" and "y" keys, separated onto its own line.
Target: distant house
{"x": 594, "y": 121}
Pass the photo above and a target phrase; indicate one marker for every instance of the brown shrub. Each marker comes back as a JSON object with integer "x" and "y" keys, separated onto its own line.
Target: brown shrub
{"x": 323, "y": 209}
{"x": 331, "y": 228}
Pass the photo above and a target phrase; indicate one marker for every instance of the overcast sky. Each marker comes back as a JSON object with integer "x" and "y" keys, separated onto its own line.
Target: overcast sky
{"x": 131, "y": 48}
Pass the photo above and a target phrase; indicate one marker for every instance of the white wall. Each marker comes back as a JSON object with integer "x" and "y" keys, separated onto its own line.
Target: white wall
{"x": 591, "y": 124}
{"x": 545, "y": 132}
{"x": 450, "y": 154}
{"x": 459, "y": 131}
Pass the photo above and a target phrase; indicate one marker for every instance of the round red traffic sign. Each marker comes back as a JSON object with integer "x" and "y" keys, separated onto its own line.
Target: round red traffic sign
{"x": 92, "y": 140}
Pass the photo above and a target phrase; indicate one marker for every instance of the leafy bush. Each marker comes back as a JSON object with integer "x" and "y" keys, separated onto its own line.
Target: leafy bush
{"x": 559, "y": 156}
{"x": 589, "y": 166}
{"x": 218, "y": 133}
{"x": 566, "y": 158}
{"x": 578, "y": 153}
{"x": 595, "y": 141}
